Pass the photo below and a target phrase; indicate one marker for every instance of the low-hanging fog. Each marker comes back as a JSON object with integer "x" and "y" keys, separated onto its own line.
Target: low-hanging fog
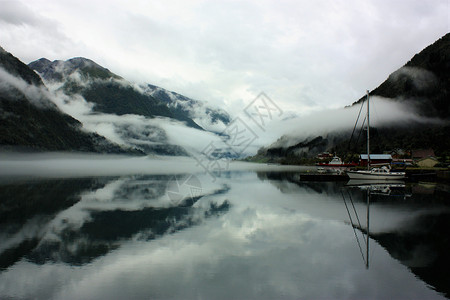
{"x": 37, "y": 95}
{"x": 63, "y": 164}
{"x": 136, "y": 130}
{"x": 383, "y": 112}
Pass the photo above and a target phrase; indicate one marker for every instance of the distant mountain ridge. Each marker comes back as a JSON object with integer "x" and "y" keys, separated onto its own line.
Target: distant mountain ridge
{"x": 111, "y": 96}
{"x": 108, "y": 91}
{"x": 58, "y": 69}
{"x": 423, "y": 84}
{"x": 78, "y": 105}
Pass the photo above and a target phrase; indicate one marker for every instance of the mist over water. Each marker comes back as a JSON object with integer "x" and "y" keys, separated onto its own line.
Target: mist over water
{"x": 61, "y": 164}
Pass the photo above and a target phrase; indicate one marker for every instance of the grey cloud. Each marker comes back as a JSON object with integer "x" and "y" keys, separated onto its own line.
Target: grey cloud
{"x": 307, "y": 54}
{"x": 15, "y": 13}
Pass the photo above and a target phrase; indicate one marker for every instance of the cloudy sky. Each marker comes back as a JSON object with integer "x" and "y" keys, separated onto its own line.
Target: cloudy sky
{"x": 305, "y": 55}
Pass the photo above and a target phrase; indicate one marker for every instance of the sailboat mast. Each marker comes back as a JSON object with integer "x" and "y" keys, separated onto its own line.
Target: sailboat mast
{"x": 368, "y": 133}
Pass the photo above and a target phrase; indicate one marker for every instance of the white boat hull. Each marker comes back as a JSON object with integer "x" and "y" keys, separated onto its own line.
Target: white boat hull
{"x": 375, "y": 176}
{"x": 376, "y": 182}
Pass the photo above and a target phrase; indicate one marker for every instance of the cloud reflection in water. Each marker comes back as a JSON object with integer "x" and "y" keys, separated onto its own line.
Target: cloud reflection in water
{"x": 269, "y": 238}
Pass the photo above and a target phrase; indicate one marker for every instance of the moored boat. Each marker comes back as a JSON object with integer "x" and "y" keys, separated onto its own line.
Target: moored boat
{"x": 337, "y": 162}
{"x": 383, "y": 173}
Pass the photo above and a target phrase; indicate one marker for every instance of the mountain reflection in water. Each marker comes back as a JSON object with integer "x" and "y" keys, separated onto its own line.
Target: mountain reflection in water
{"x": 247, "y": 235}
{"x": 421, "y": 242}
{"x": 77, "y": 220}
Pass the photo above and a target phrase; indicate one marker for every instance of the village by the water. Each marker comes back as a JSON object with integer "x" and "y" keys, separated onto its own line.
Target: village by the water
{"x": 418, "y": 164}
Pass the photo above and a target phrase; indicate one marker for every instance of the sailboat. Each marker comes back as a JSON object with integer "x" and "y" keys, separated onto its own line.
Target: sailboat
{"x": 379, "y": 173}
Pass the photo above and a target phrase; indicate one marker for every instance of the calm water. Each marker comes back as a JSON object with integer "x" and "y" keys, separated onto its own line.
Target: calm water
{"x": 244, "y": 235}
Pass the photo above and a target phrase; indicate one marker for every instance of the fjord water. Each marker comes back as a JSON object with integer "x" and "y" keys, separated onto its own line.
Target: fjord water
{"x": 244, "y": 234}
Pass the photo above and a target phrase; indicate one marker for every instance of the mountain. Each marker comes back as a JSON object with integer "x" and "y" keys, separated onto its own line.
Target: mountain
{"x": 29, "y": 119}
{"x": 109, "y": 92}
{"x": 58, "y": 70}
{"x": 144, "y": 116}
{"x": 113, "y": 94}
{"x": 421, "y": 87}
{"x": 18, "y": 69}
{"x": 424, "y": 81}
